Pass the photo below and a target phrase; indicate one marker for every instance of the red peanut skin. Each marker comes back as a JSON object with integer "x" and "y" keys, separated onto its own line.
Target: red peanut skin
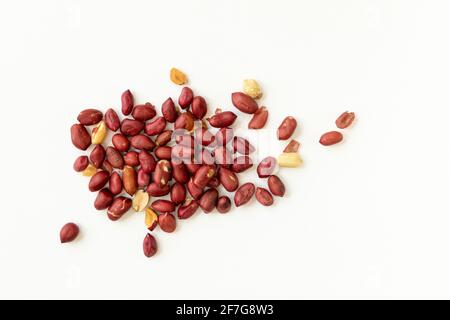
{"x": 167, "y": 222}
{"x": 69, "y": 232}
{"x": 98, "y": 181}
{"x": 292, "y": 147}
{"x": 228, "y": 179}
{"x": 204, "y": 156}
{"x": 163, "y": 206}
{"x": 214, "y": 182}
{"x": 155, "y": 127}
{"x": 194, "y": 190}
{"x": 204, "y": 136}
{"x": 107, "y": 167}
{"x": 276, "y": 186}
{"x": 130, "y": 127}
{"x": 208, "y": 200}
{"x": 286, "y": 128}
{"x": 184, "y": 139}
{"x": 147, "y": 162}
{"x": 129, "y": 180}
{"x": 223, "y": 204}
{"x": 155, "y": 190}
{"x": 266, "y": 167}
{"x": 169, "y": 111}
{"x": 177, "y": 193}
{"x": 345, "y": 120}
{"x": 163, "y": 152}
{"x": 180, "y": 153}
{"x": 259, "y": 119}
{"x": 144, "y": 112}
{"x": 241, "y": 163}
{"x": 242, "y": 146}
{"x": 118, "y": 208}
{"x": 222, "y": 119}
{"x": 127, "y": 102}
{"x": 244, "y": 194}
{"x": 114, "y": 157}
{"x": 97, "y": 156}
{"x": 164, "y": 138}
{"x": 244, "y": 102}
{"x": 112, "y": 120}
{"x": 143, "y": 179}
{"x": 199, "y": 107}
{"x": 223, "y": 156}
{"x": 264, "y": 197}
{"x": 121, "y": 142}
{"x": 104, "y": 199}
{"x": 163, "y": 173}
{"x": 188, "y": 209}
{"x": 223, "y": 136}
{"x": 115, "y": 183}
{"x": 330, "y": 138}
{"x": 180, "y": 172}
{"x": 90, "y": 117}
{"x": 149, "y": 246}
{"x": 185, "y": 121}
{"x": 80, "y": 137}
{"x": 192, "y": 167}
{"x": 131, "y": 158}
{"x": 142, "y": 142}
{"x": 203, "y": 176}
{"x": 81, "y": 163}
{"x": 186, "y": 97}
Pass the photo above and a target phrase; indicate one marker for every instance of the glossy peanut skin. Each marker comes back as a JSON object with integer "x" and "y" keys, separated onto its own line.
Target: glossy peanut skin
{"x": 142, "y": 142}
{"x": 163, "y": 173}
{"x": 98, "y": 181}
{"x": 127, "y": 102}
{"x": 118, "y": 208}
{"x": 167, "y": 222}
{"x": 69, "y": 232}
{"x": 178, "y": 193}
{"x": 129, "y": 180}
{"x": 104, "y": 199}
{"x": 144, "y": 112}
{"x": 149, "y": 246}
{"x": 80, "y": 163}
{"x": 223, "y": 204}
{"x": 244, "y": 102}
{"x": 121, "y": 142}
{"x": 81, "y": 138}
{"x": 208, "y": 200}
{"x": 186, "y": 97}
{"x": 259, "y": 119}
{"x": 203, "y": 176}
{"x": 163, "y": 152}
{"x": 163, "y": 206}
{"x": 97, "y": 156}
{"x": 147, "y": 161}
{"x": 286, "y": 128}
{"x": 90, "y": 117}
{"x": 164, "y": 138}
{"x": 154, "y": 190}
{"x": 112, "y": 120}
{"x": 131, "y": 158}
{"x": 228, "y": 179}
{"x": 199, "y": 107}
{"x": 115, "y": 183}
{"x": 244, "y": 194}
{"x": 194, "y": 190}
{"x": 188, "y": 209}
{"x": 169, "y": 111}
{"x": 264, "y": 197}
{"x": 276, "y": 186}
{"x": 143, "y": 178}
{"x": 155, "y": 127}
{"x": 222, "y": 119}
{"x": 330, "y": 138}
{"x": 130, "y": 127}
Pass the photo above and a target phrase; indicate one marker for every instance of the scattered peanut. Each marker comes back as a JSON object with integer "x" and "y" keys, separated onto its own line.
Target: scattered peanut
{"x": 177, "y": 76}
{"x": 289, "y": 160}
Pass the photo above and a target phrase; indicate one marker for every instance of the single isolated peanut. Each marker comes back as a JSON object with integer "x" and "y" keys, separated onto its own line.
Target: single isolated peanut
{"x": 149, "y": 245}
{"x": 289, "y": 160}
{"x": 99, "y": 133}
{"x": 68, "y": 232}
{"x": 345, "y": 120}
{"x": 244, "y": 102}
{"x": 151, "y": 219}
{"x": 252, "y": 88}
{"x": 127, "y": 102}
{"x": 259, "y": 118}
{"x": 286, "y": 128}
{"x": 177, "y": 76}
{"x": 330, "y": 138}
{"x": 140, "y": 200}
{"x": 90, "y": 117}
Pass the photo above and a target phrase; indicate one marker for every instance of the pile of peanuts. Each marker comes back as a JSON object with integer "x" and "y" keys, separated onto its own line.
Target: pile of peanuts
{"x": 177, "y": 155}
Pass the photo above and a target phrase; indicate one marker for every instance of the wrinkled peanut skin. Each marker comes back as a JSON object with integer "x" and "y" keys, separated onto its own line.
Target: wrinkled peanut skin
{"x": 276, "y": 186}
{"x": 264, "y": 197}
{"x": 223, "y": 204}
{"x": 90, "y": 117}
{"x": 244, "y": 194}
{"x": 127, "y": 102}
{"x": 188, "y": 209}
{"x": 345, "y": 120}
{"x": 222, "y": 119}
{"x": 149, "y": 246}
{"x": 112, "y": 120}
{"x": 330, "y": 138}
{"x": 286, "y": 128}
{"x": 244, "y": 102}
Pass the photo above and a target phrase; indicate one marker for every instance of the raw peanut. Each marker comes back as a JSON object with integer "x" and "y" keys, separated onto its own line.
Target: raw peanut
{"x": 144, "y": 112}
{"x": 259, "y": 118}
{"x": 98, "y": 181}
{"x": 177, "y": 76}
{"x": 223, "y": 156}
{"x": 266, "y": 167}
{"x": 140, "y": 200}
{"x": 264, "y": 197}
{"x": 330, "y": 138}
{"x": 293, "y": 146}
{"x": 223, "y": 136}
{"x": 90, "y": 117}
{"x": 147, "y": 161}
{"x": 208, "y": 200}
{"x": 188, "y": 209}
{"x": 164, "y": 138}
{"x": 143, "y": 178}
{"x": 244, "y": 102}
{"x": 204, "y": 156}
{"x": 121, "y": 142}
{"x": 192, "y": 167}
{"x": 223, "y": 204}
{"x": 99, "y": 133}
{"x": 204, "y": 137}
{"x": 127, "y": 102}
{"x": 163, "y": 173}
{"x": 289, "y": 160}
{"x": 151, "y": 219}
{"x": 244, "y": 194}
{"x": 115, "y": 183}
{"x": 118, "y": 208}
{"x": 184, "y": 139}
{"x": 112, "y": 120}
{"x": 177, "y": 193}
{"x": 222, "y": 119}
{"x": 241, "y": 163}
{"x": 180, "y": 153}
{"x": 132, "y": 158}
{"x": 242, "y": 146}
{"x": 104, "y": 199}
{"x": 81, "y": 163}
{"x": 163, "y": 206}
{"x": 106, "y": 166}
{"x": 252, "y": 89}
{"x": 286, "y": 128}
{"x": 155, "y": 190}
{"x": 155, "y": 127}
{"x": 97, "y": 156}
{"x": 142, "y": 142}
{"x": 169, "y": 111}
{"x": 199, "y": 107}
{"x": 130, "y": 127}
{"x": 194, "y": 190}
{"x": 214, "y": 182}
{"x": 228, "y": 179}
{"x": 185, "y": 121}
{"x": 68, "y": 232}
{"x": 89, "y": 171}
{"x": 167, "y": 222}
{"x": 129, "y": 179}
{"x": 179, "y": 172}
{"x": 276, "y": 186}
{"x": 186, "y": 97}
{"x": 345, "y": 120}
{"x": 80, "y": 136}
{"x": 203, "y": 176}
{"x": 163, "y": 152}
{"x": 114, "y": 157}
{"x": 149, "y": 245}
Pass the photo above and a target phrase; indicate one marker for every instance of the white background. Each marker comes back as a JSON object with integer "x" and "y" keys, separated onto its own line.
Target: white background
{"x": 368, "y": 218}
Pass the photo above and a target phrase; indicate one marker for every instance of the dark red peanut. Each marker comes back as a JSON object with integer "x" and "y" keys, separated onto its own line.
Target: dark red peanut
{"x": 169, "y": 111}
{"x": 214, "y": 182}
{"x": 204, "y": 175}
{"x": 164, "y": 138}
{"x": 90, "y": 117}
{"x": 208, "y": 200}
{"x": 121, "y": 142}
{"x": 149, "y": 246}
{"x": 112, "y": 120}
{"x": 129, "y": 178}
{"x": 119, "y": 207}
{"x": 147, "y": 161}
{"x": 244, "y": 102}
{"x": 188, "y": 209}
{"x": 80, "y": 136}
{"x": 286, "y": 128}
{"x": 228, "y": 179}
{"x": 330, "y": 138}
{"x": 98, "y": 181}
{"x": 127, "y": 102}
{"x": 114, "y": 157}
{"x": 132, "y": 158}
{"x": 259, "y": 118}
{"x": 266, "y": 167}
{"x": 244, "y": 194}
{"x": 264, "y": 197}
{"x": 80, "y": 163}
{"x": 142, "y": 142}
{"x": 155, "y": 190}
{"x": 163, "y": 173}
{"x": 104, "y": 199}
{"x": 163, "y": 206}
{"x": 199, "y": 107}
{"x": 143, "y": 178}
{"x": 204, "y": 137}
{"x": 155, "y": 127}
{"x": 107, "y": 167}
{"x": 223, "y": 136}
{"x": 192, "y": 167}
{"x": 180, "y": 153}
{"x": 177, "y": 193}
{"x": 163, "y": 152}
{"x": 69, "y": 232}
{"x": 194, "y": 190}
{"x": 292, "y": 147}
{"x": 144, "y": 112}
{"x": 185, "y": 121}
{"x": 223, "y": 156}
{"x": 276, "y": 186}
{"x": 97, "y": 156}
{"x": 223, "y": 204}
{"x": 242, "y": 146}
{"x": 115, "y": 183}
{"x": 186, "y": 97}
{"x": 130, "y": 127}
{"x": 222, "y": 119}
{"x": 180, "y": 172}
{"x": 167, "y": 222}
{"x": 345, "y": 120}
{"x": 241, "y": 163}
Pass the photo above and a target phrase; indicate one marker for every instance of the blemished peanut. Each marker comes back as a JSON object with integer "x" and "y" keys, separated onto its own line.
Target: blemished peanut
{"x": 177, "y": 76}
{"x": 251, "y": 88}
{"x": 89, "y": 171}
{"x": 140, "y": 200}
{"x": 289, "y": 160}
{"x": 99, "y": 133}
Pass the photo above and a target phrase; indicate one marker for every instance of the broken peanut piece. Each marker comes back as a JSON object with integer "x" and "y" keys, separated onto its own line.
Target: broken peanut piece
{"x": 151, "y": 219}
{"x": 89, "y": 171}
{"x": 177, "y": 76}
{"x": 289, "y": 160}
{"x": 140, "y": 200}
{"x": 252, "y": 89}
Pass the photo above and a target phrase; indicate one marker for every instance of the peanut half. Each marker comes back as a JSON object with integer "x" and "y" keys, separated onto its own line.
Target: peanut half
{"x": 99, "y": 133}
{"x": 89, "y": 171}
{"x": 289, "y": 160}
{"x": 177, "y": 76}
{"x": 140, "y": 200}
{"x": 151, "y": 219}
{"x": 251, "y": 88}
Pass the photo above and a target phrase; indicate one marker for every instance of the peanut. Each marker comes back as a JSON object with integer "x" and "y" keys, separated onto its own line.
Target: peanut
{"x": 177, "y": 76}
{"x": 140, "y": 200}
{"x": 289, "y": 160}
{"x": 252, "y": 88}
{"x": 151, "y": 219}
